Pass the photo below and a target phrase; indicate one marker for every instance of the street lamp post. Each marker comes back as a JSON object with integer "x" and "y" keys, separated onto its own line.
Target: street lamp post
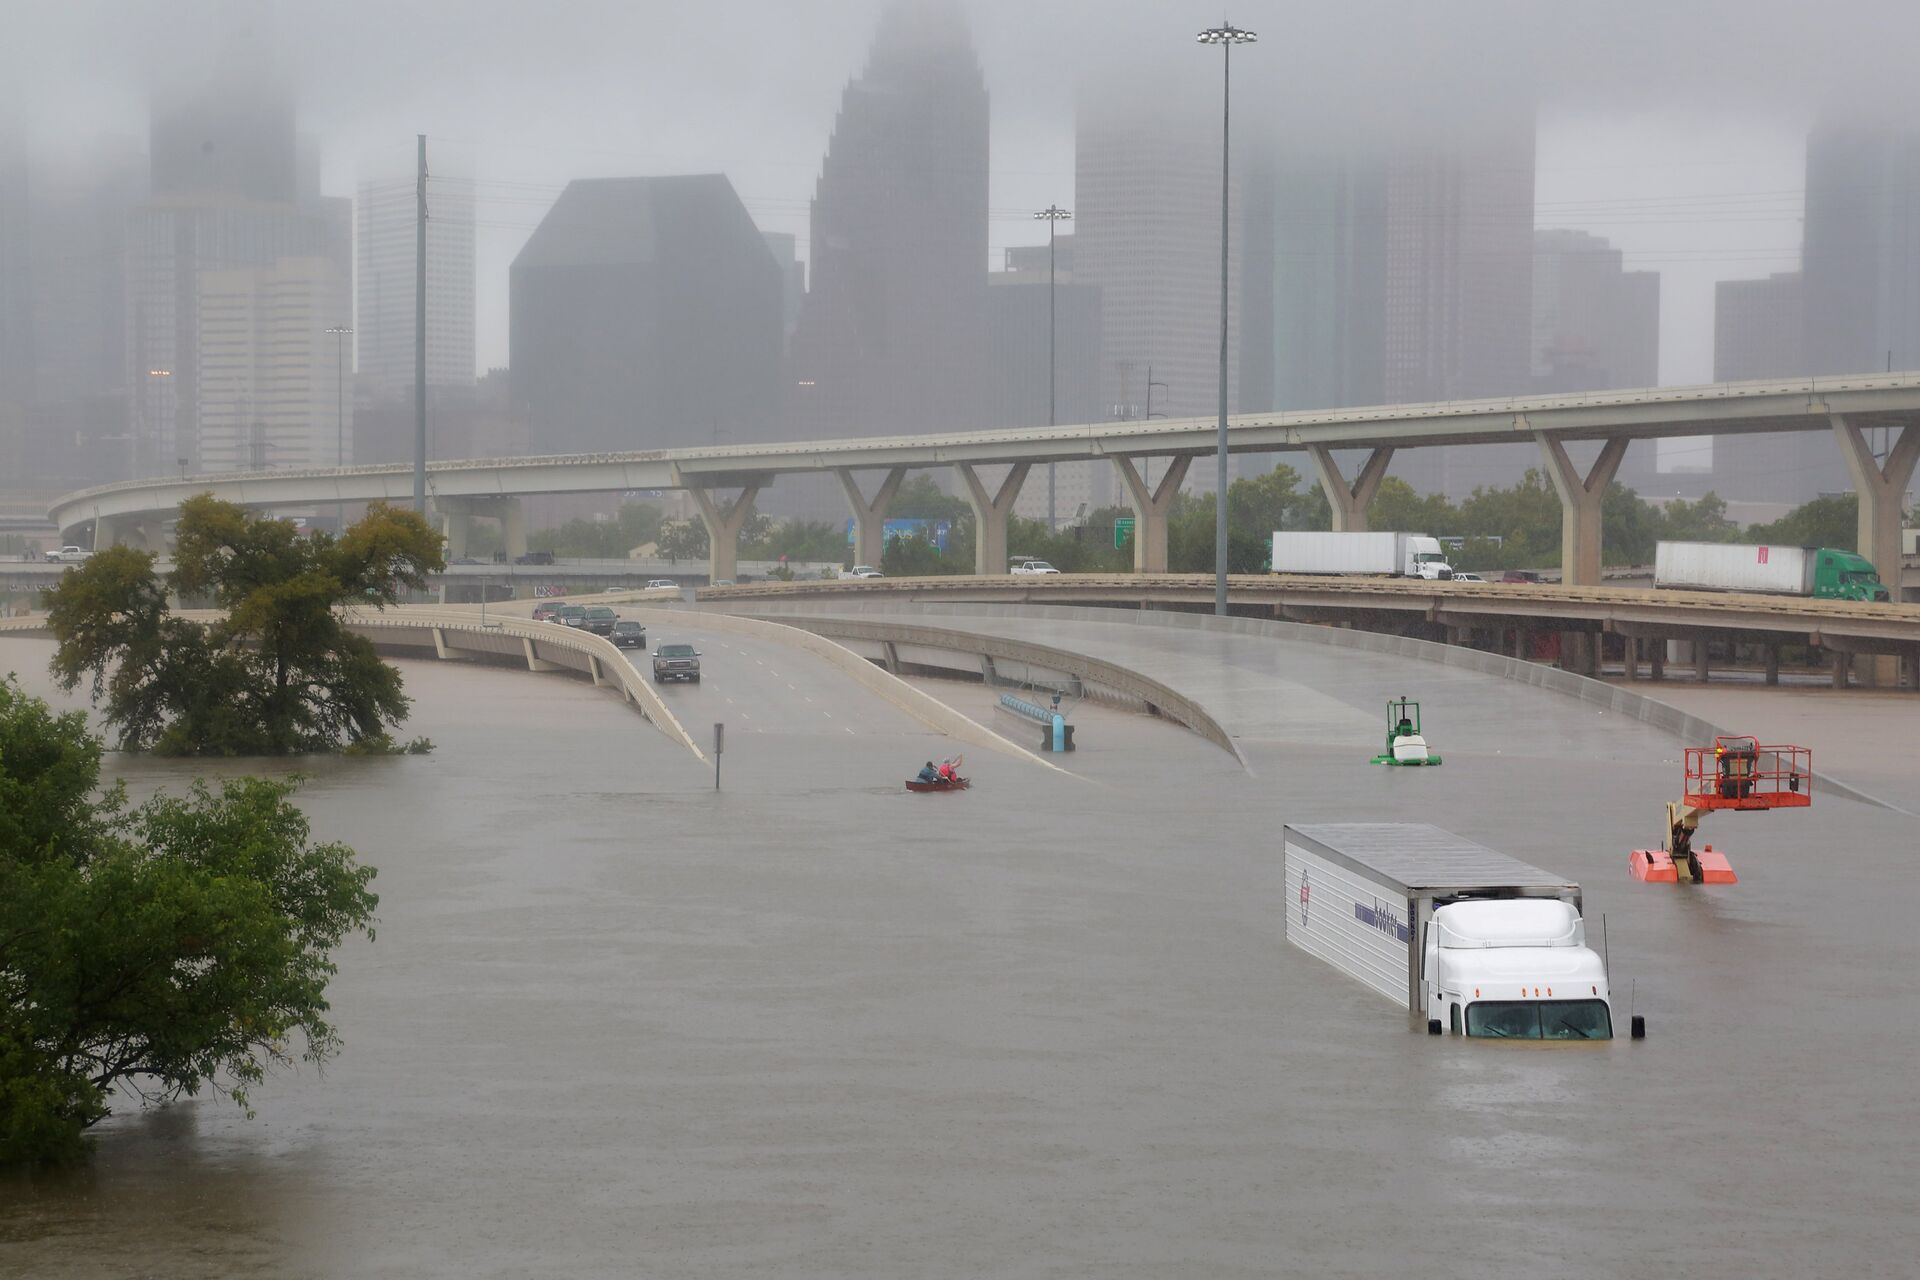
{"x": 1053, "y": 215}
{"x": 339, "y": 333}
{"x": 1226, "y": 35}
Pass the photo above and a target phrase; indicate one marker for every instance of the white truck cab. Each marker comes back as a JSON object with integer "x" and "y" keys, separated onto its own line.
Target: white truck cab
{"x": 1032, "y": 567}
{"x": 1426, "y": 558}
{"x": 1515, "y": 969}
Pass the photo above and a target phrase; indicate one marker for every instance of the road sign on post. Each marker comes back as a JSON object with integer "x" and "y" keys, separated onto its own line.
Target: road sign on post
{"x": 719, "y": 745}
{"x": 1122, "y": 532}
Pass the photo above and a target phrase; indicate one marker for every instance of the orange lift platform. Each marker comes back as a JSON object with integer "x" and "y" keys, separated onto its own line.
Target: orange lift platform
{"x": 1734, "y": 773}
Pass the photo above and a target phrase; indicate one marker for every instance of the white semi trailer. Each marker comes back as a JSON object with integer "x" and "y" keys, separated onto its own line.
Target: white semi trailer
{"x": 1400, "y": 555}
{"x": 1467, "y": 940}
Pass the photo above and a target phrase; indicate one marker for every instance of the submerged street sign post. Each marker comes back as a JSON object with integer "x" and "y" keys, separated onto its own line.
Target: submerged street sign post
{"x": 719, "y": 745}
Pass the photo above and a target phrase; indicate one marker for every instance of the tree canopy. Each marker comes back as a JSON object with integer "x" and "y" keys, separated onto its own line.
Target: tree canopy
{"x": 156, "y": 950}
{"x": 280, "y": 672}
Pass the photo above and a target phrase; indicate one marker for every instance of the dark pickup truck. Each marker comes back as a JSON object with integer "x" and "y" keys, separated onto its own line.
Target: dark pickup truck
{"x": 676, "y": 662}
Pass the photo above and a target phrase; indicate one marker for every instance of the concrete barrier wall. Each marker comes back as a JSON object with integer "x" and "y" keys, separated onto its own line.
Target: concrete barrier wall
{"x": 1669, "y": 719}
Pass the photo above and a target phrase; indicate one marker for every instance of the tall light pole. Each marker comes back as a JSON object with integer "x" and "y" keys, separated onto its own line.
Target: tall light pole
{"x": 1226, "y": 35}
{"x": 1054, "y": 215}
{"x": 339, "y": 333}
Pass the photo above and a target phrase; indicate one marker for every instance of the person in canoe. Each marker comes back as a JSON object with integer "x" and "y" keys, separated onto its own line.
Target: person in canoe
{"x": 929, "y": 774}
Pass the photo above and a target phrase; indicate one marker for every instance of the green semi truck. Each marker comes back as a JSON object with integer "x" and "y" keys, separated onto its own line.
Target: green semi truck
{"x": 1819, "y": 572}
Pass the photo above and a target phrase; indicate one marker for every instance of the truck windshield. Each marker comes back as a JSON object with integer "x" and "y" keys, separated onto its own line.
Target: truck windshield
{"x": 1540, "y": 1020}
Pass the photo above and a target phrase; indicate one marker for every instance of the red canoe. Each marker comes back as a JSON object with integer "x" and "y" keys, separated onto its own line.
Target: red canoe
{"x": 959, "y": 784}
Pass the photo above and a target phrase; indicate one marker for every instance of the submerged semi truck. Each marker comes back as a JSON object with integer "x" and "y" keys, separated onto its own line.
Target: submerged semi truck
{"x": 1469, "y": 941}
{"x": 1401, "y": 555}
{"x": 1820, "y": 572}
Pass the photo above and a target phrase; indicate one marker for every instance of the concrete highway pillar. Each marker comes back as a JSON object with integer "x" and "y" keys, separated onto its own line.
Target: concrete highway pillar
{"x": 1630, "y": 657}
{"x": 990, "y": 515}
{"x": 1349, "y": 502}
{"x": 1150, "y": 507}
{"x": 1773, "y": 664}
{"x": 870, "y": 518}
{"x": 513, "y": 527}
{"x": 1657, "y": 659}
{"x": 1580, "y": 501}
{"x": 456, "y": 523}
{"x": 1700, "y": 661}
{"x": 1840, "y": 665}
{"x": 106, "y": 532}
{"x": 1883, "y": 490}
{"x": 723, "y": 529}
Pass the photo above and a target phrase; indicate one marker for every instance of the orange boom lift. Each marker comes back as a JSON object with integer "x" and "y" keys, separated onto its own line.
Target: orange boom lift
{"x": 1734, "y": 773}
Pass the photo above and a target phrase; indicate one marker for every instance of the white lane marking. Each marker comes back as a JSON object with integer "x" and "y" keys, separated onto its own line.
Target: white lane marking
{"x": 849, "y": 731}
{"x": 827, "y": 714}
{"x": 804, "y": 696}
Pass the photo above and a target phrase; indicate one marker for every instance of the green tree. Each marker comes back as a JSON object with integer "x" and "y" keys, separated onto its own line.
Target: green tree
{"x": 152, "y": 951}
{"x": 1397, "y": 508}
{"x": 1702, "y": 521}
{"x": 635, "y": 525}
{"x": 919, "y": 498}
{"x": 1832, "y": 521}
{"x": 280, "y": 672}
{"x": 684, "y": 540}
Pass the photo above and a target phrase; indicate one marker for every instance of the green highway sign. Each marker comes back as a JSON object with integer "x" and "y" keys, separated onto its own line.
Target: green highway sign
{"x": 1122, "y": 532}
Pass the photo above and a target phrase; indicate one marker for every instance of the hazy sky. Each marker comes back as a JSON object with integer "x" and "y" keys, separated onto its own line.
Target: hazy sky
{"x": 1674, "y": 128}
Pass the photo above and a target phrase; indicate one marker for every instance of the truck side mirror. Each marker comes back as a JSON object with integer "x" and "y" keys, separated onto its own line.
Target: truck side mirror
{"x": 1639, "y": 1026}
{"x": 1433, "y": 1026}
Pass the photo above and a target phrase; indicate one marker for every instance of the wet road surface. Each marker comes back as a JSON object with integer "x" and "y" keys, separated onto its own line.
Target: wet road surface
{"x": 616, "y": 1024}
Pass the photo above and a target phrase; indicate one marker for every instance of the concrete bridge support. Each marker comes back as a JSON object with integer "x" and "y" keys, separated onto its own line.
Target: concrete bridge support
{"x": 1882, "y": 488}
{"x": 458, "y": 514}
{"x": 723, "y": 528}
{"x": 107, "y": 533}
{"x": 990, "y": 515}
{"x": 870, "y": 518}
{"x": 1350, "y": 501}
{"x": 1150, "y": 509}
{"x": 1580, "y": 500}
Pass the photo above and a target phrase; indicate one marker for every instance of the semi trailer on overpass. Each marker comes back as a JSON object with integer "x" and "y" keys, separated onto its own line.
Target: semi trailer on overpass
{"x": 1821, "y": 573}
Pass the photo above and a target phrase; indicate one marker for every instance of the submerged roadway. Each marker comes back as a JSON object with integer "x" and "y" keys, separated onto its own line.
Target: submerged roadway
{"x": 616, "y": 1022}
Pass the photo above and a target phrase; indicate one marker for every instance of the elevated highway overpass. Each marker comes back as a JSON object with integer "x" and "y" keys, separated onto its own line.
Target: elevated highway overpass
{"x": 1454, "y": 610}
{"x": 465, "y": 489}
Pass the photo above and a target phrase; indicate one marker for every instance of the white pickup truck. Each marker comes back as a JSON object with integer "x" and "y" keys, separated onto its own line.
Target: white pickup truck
{"x": 70, "y": 555}
{"x": 861, "y": 571}
{"x": 1032, "y": 567}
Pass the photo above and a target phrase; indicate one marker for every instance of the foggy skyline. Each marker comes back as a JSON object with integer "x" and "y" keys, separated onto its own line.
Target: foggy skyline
{"x": 1678, "y": 136}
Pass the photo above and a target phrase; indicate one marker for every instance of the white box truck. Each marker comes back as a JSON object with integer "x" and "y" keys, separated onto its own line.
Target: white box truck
{"x": 1819, "y": 572}
{"x": 1400, "y": 555}
{"x": 1467, "y": 940}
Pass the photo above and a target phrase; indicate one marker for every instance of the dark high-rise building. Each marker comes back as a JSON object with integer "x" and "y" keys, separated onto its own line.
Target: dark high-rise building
{"x": 79, "y": 206}
{"x": 1860, "y": 260}
{"x": 1596, "y": 327}
{"x": 1147, "y": 233}
{"x": 1313, "y": 319}
{"x": 229, "y": 136}
{"x": 645, "y": 314}
{"x": 1017, "y": 327}
{"x": 1759, "y": 331}
{"x": 891, "y": 338}
{"x": 1459, "y": 289}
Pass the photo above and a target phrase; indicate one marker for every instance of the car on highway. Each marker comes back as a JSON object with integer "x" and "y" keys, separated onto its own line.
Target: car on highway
{"x": 599, "y": 619}
{"x": 1467, "y": 577}
{"x": 676, "y": 662}
{"x": 568, "y": 615}
{"x": 721, "y": 582}
{"x": 70, "y": 555}
{"x": 662, "y": 584}
{"x": 1520, "y": 575}
{"x": 546, "y": 609}
{"x": 862, "y": 571}
{"x": 534, "y": 557}
{"x": 628, "y": 634}
{"x": 1032, "y": 567}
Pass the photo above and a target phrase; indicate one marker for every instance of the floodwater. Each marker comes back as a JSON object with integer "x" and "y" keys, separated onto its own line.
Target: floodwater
{"x": 617, "y": 1024}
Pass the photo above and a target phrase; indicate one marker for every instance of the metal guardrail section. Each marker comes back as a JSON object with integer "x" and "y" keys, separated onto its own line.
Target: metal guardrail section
{"x": 1161, "y": 698}
{"x": 534, "y": 643}
{"x": 1706, "y": 610}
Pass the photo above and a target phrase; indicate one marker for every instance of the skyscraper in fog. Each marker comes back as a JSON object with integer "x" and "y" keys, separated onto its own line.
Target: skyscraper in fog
{"x": 1860, "y": 261}
{"x": 891, "y": 338}
{"x": 16, "y": 316}
{"x": 1459, "y": 287}
{"x": 645, "y": 314}
{"x": 1313, "y": 315}
{"x": 1759, "y": 331}
{"x": 1147, "y": 233}
{"x": 385, "y": 244}
{"x": 263, "y": 352}
{"x": 226, "y": 192}
{"x": 1596, "y": 326}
